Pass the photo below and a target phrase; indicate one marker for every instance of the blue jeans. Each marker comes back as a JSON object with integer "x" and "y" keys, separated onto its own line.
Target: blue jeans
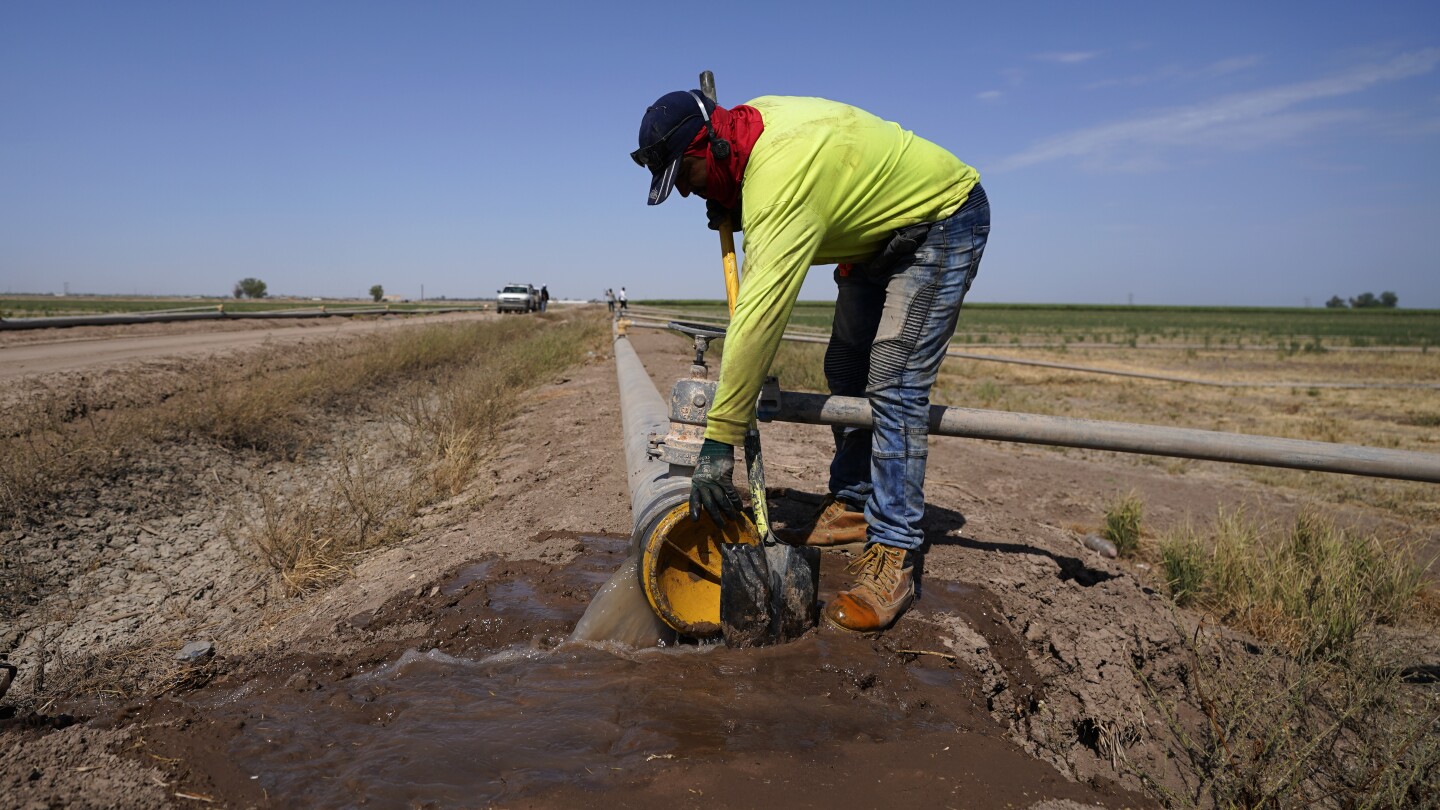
{"x": 890, "y": 334}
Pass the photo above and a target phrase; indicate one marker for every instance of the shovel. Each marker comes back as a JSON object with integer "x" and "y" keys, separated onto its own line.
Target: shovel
{"x": 768, "y": 592}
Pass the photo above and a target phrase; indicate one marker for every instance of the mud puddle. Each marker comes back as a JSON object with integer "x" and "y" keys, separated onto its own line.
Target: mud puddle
{"x": 470, "y": 694}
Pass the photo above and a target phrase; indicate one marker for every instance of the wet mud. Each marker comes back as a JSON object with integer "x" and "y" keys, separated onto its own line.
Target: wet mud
{"x": 468, "y": 691}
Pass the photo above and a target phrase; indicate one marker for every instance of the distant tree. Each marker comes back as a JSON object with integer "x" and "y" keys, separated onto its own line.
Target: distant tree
{"x": 1364, "y": 300}
{"x": 250, "y": 288}
{"x": 377, "y": 292}
{"x": 1389, "y": 299}
{"x": 1335, "y": 302}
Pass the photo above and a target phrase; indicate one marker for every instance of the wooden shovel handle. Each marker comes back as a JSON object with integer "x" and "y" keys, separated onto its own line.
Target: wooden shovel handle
{"x": 732, "y": 273}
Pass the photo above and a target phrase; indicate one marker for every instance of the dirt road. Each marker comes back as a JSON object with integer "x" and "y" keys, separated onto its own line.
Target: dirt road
{"x": 59, "y": 350}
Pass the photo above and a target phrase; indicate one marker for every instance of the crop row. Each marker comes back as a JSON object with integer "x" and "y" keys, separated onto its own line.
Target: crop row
{"x": 1208, "y": 326}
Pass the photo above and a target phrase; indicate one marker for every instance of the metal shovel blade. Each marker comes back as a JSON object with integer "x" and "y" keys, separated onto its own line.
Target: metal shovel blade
{"x": 794, "y": 589}
{"x": 746, "y": 595}
{"x": 768, "y": 592}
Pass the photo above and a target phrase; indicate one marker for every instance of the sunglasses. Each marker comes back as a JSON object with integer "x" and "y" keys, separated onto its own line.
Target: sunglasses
{"x": 655, "y": 157}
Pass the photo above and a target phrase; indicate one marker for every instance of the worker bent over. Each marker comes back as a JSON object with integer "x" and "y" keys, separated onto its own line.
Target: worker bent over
{"x": 825, "y": 183}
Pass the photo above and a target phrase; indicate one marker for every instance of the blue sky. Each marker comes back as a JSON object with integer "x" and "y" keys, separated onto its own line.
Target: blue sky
{"x": 1266, "y": 153}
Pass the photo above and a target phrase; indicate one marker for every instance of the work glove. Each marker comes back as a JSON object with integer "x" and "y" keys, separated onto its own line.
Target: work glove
{"x": 715, "y": 213}
{"x": 712, "y": 487}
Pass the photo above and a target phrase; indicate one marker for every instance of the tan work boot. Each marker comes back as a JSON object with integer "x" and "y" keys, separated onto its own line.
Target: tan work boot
{"x": 835, "y": 525}
{"x": 883, "y": 590}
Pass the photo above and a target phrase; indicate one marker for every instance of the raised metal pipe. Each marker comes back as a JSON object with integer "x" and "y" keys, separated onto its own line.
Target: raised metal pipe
{"x": 1122, "y": 437}
{"x": 655, "y": 486}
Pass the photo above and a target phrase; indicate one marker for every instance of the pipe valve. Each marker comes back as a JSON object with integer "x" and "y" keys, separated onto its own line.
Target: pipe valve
{"x": 690, "y": 402}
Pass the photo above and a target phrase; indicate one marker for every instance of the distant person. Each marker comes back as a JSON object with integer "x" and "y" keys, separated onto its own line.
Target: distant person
{"x": 610, "y": 299}
{"x": 624, "y": 306}
{"x": 544, "y": 297}
{"x": 827, "y": 183}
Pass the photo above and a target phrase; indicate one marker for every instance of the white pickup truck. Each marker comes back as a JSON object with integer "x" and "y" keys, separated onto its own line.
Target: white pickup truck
{"x": 517, "y": 298}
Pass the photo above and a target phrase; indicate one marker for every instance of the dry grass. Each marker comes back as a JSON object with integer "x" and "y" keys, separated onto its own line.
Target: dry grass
{"x": 1275, "y": 731}
{"x": 123, "y": 671}
{"x": 430, "y": 436}
{"x": 445, "y": 389}
{"x": 275, "y": 400}
{"x": 1122, "y": 523}
{"x": 1313, "y": 588}
{"x": 1318, "y": 712}
{"x": 800, "y": 367}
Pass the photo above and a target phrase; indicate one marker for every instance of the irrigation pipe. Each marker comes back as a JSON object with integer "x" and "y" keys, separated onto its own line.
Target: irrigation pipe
{"x": 654, "y": 491}
{"x": 1122, "y": 437}
{"x": 655, "y": 488}
{"x": 211, "y": 314}
{"x": 990, "y": 358}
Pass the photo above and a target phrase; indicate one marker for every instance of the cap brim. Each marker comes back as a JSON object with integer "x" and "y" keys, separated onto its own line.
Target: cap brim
{"x": 664, "y": 181}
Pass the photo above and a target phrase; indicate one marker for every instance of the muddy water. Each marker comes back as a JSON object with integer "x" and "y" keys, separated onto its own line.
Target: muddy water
{"x": 621, "y": 614}
{"x": 491, "y": 703}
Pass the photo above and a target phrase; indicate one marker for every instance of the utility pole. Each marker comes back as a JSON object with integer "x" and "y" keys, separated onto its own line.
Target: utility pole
{"x": 422, "y": 292}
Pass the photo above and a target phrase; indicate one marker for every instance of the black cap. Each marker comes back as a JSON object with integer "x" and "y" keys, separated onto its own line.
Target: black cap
{"x": 669, "y": 125}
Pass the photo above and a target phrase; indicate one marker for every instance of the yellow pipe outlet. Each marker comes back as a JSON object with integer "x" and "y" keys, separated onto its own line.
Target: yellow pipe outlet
{"x": 680, "y": 569}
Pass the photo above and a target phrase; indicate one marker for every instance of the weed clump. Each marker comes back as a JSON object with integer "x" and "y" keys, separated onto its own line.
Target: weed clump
{"x": 1319, "y": 711}
{"x": 1183, "y": 563}
{"x": 1122, "y": 523}
{"x": 1314, "y": 588}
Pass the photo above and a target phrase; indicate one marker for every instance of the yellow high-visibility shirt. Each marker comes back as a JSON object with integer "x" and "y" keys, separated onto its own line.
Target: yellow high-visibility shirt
{"x": 826, "y": 183}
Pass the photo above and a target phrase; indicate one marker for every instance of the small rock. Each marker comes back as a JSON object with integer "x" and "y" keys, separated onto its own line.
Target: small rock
{"x": 195, "y": 652}
{"x": 1039, "y": 734}
{"x": 1100, "y": 545}
{"x": 434, "y": 591}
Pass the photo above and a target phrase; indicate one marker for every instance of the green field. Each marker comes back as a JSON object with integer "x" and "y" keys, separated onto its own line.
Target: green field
{"x": 37, "y": 306}
{"x": 1073, "y": 324}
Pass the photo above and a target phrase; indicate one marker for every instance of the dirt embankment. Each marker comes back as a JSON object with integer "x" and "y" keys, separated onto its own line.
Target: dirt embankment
{"x": 37, "y": 352}
{"x": 436, "y": 673}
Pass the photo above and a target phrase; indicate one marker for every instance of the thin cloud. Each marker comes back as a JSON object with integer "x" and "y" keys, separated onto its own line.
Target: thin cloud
{"x": 989, "y": 95}
{"x": 1067, "y": 57}
{"x": 1167, "y": 73}
{"x": 1160, "y": 74}
{"x": 1243, "y": 120}
{"x": 1232, "y": 65}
